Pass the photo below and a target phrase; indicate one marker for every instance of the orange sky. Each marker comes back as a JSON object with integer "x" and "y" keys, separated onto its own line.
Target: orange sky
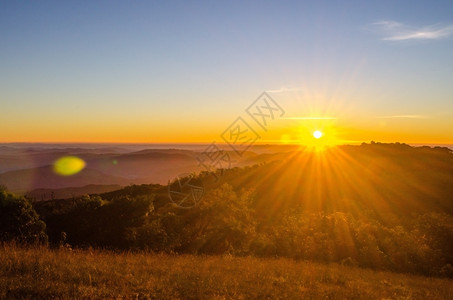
{"x": 335, "y": 131}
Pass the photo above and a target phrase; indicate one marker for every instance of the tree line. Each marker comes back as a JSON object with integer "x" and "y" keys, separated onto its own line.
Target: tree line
{"x": 226, "y": 222}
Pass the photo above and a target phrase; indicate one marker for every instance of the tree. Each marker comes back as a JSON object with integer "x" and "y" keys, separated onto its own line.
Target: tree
{"x": 96, "y": 222}
{"x": 222, "y": 223}
{"x": 19, "y": 221}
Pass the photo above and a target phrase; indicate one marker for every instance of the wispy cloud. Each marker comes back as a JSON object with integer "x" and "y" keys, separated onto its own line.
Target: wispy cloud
{"x": 402, "y": 117}
{"x": 309, "y": 118}
{"x": 395, "y": 31}
{"x": 284, "y": 90}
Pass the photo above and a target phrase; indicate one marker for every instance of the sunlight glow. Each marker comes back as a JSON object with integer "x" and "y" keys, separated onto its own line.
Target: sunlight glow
{"x": 317, "y": 134}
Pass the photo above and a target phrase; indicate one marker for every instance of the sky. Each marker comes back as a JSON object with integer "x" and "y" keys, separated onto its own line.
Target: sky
{"x": 180, "y": 71}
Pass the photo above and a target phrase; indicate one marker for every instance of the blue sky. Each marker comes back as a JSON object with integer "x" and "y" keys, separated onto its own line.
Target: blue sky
{"x": 99, "y": 70}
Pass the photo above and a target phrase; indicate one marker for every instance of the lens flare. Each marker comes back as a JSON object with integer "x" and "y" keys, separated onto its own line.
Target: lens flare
{"x": 68, "y": 165}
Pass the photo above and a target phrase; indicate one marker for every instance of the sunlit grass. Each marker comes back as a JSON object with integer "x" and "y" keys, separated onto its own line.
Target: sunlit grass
{"x": 43, "y": 273}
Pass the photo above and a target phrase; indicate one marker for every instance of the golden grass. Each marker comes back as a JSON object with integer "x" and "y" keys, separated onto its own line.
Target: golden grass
{"x": 40, "y": 273}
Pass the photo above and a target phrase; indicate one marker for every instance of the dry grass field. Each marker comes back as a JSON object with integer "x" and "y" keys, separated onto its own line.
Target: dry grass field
{"x": 41, "y": 273}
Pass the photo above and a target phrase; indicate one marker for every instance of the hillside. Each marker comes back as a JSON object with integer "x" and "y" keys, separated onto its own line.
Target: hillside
{"x": 380, "y": 206}
{"x": 70, "y": 192}
{"x": 381, "y": 179}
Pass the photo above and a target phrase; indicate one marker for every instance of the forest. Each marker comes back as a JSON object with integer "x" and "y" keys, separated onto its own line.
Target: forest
{"x": 379, "y": 206}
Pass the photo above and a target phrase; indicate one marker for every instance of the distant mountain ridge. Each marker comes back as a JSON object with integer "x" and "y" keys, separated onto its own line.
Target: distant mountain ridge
{"x": 24, "y": 170}
{"x": 44, "y": 177}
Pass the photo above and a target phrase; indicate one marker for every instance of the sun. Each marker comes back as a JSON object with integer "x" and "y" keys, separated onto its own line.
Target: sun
{"x": 317, "y": 134}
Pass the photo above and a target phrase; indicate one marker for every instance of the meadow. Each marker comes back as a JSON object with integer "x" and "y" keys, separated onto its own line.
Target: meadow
{"x": 45, "y": 273}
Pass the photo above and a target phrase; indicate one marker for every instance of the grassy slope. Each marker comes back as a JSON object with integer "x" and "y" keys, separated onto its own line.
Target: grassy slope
{"x": 43, "y": 273}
